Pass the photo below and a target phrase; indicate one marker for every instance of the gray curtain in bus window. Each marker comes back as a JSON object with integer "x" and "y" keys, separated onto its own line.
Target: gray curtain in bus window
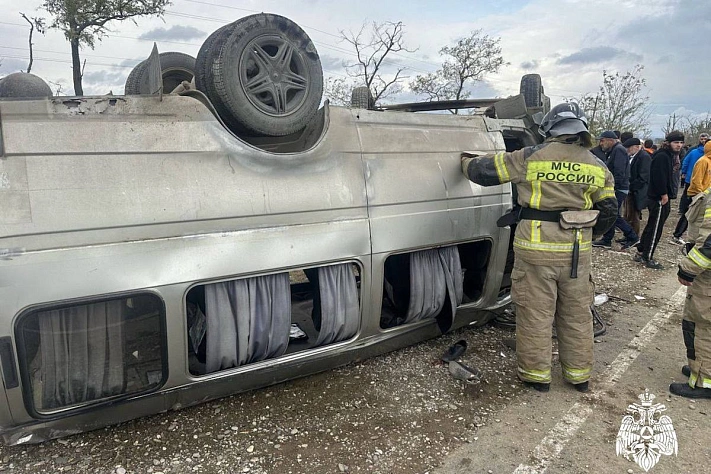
{"x": 339, "y": 303}
{"x": 454, "y": 278}
{"x": 433, "y": 272}
{"x": 247, "y": 320}
{"x": 82, "y": 353}
{"x": 427, "y": 285}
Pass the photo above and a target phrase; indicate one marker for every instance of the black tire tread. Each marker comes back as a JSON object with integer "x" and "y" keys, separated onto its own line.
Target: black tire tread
{"x": 203, "y": 61}
{"x": 236, "y": 113}
{"x": 133, "y": 80}
{"x": 174, "y": 61}
{"x": 362, "y": 98}
{"x": 137, "y": 80}
{"x": 532, "y": 90}
{"x": 204, "y": 72}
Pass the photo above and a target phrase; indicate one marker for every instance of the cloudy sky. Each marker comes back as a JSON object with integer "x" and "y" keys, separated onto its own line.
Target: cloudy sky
{"x": 568, "y": 42}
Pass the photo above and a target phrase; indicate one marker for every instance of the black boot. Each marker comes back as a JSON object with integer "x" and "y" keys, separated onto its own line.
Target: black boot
{"x": 683, "y": 390}
{"x": 582, "y": 387}
{"x": 686, "y": 370}
{"x": 541, "y": 387}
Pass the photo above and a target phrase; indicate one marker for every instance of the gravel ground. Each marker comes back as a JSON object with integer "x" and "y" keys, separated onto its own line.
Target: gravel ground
{"x": 398, "y": 413}
{"x": 625, "y": 280}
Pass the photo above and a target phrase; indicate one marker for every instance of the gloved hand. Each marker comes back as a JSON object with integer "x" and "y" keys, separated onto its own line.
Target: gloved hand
{"x": 684, "y": 278}
{"x": 466, "y": 159}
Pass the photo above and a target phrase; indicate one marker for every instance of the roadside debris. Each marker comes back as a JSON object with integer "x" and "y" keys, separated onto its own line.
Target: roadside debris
{"x": 464, "y": 373}
{"x": 455, "y": 351}
{"x": 458, "y": 370}
{"x": 601, "y": 299}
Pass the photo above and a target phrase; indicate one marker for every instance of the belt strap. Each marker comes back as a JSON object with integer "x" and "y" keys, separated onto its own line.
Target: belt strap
{"x": 538, "y": 215}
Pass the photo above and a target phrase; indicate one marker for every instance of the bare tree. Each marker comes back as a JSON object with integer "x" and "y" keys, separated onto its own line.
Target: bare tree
{"x": 692, "y": 127}
{"x": 695, "y": 126}
{"x": 674, "y": 122}
{"x": 466, "y": 62}
{"x": 620, "y": 104}
{"x": 35, "y": 24}
{"x": 57, "y": 87}
{"x": 371, "y": 50}
{"x": 338, "y": 90}
{"x": 84, "y": 22}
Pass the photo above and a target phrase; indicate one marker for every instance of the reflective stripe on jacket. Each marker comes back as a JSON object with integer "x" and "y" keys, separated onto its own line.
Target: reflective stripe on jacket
{"x": 552, "y": 176}
{"x": 698, "y": 260}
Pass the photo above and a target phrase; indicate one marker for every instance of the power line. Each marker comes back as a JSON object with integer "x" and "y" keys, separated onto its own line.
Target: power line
{"x": 325, "y": 45}
{"x": 339, "y": 49}
{"x": 65, "y": 53}
{"x": 223, "y": 6}
{"x": 308, "y": 27}
{"x": 562, "y": 92}
{"x": 152, "y": 40}
{"x": 67, "y": 61}
{"x": 95, "y": 56}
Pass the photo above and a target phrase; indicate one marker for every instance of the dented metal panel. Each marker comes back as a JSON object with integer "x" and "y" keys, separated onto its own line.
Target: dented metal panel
{"x": 432, "y": 204}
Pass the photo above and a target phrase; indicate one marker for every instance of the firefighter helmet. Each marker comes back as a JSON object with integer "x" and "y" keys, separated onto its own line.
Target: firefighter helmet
{"x": 566, "y": 119}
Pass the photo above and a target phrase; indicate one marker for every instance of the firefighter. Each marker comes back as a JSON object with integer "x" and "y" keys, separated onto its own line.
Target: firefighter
{"x": 551, "y": 275}
{"x": 695, "y": 273}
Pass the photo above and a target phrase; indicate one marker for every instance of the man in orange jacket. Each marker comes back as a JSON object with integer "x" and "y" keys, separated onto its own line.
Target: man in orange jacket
{"x": 701, "y": 176}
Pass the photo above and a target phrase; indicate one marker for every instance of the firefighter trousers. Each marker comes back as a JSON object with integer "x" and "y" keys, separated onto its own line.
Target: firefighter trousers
{"x": 544, "y": 294}
{"x": 696, "y": 327}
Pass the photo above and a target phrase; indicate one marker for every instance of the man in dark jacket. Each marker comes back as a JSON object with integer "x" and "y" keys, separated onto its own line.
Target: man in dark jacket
{"x": 639, "y": 182}
{"x": 598, "y": 151}
{"x": 618, "y": 162}
{"x": 661, "y": 190}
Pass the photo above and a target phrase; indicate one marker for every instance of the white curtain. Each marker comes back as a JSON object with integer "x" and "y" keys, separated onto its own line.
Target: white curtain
{"x": 248, "y": 320}
{"x": 82, "y": 353}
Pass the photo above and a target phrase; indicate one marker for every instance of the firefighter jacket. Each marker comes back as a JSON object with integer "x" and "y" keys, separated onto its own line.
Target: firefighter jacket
{"x": 553, "y": 176}
{"x": 698, "y": 260}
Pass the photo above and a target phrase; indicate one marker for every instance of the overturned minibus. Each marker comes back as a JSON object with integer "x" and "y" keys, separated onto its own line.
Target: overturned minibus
{"x": 152, "y": 257}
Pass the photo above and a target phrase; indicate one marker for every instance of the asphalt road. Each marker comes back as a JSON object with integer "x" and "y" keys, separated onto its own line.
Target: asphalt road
{"x": 567, "y": 432}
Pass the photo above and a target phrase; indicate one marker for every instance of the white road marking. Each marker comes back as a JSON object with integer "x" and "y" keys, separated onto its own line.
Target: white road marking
{"x": 551, "y": 446}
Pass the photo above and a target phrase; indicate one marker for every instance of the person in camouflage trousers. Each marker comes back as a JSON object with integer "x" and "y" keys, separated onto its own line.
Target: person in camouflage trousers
{"x": 551, "y": 275}
{"x": 695, "y": 273}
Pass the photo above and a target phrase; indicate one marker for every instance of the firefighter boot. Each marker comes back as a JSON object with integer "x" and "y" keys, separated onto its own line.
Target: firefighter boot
{"x": 538, "y": 386}
{"x": 684, "y": 390}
